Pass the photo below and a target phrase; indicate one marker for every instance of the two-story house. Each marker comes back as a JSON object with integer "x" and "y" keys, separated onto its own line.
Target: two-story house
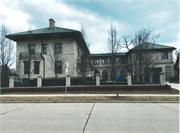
{"x": 43, "y": 52}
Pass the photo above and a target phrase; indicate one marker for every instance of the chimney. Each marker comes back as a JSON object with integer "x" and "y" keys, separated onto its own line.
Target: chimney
{"x": 51, "y": 22}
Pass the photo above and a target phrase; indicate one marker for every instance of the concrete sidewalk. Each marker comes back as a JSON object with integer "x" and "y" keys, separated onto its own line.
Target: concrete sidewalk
{"x": 84, "y": 95}
{"x": 174, "y": 85}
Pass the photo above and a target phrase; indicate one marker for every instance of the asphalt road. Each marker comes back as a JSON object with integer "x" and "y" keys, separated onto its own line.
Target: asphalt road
{"x": 89, "y": 117}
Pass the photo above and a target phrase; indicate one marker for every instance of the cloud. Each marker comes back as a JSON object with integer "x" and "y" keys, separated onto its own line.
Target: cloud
{"x": 13, "y": 18}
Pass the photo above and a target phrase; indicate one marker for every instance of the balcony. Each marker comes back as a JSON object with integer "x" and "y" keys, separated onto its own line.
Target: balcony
{"x": 26, "y": 55}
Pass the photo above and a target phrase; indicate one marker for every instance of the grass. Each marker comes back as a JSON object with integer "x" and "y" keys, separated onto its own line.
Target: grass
{"x": 171, "y": 91}
{"x": 91, "y": 98}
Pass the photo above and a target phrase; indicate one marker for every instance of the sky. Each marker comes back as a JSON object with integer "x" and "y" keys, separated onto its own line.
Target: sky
{"x": 96, "y": 16}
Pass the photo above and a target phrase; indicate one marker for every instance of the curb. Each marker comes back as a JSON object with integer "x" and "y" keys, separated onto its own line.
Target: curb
{"x": 89, "y": 101}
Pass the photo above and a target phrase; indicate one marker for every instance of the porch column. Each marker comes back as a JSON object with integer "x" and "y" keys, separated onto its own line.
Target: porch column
{"x": 129, "y": 82}
{"x": 39, "y": 81}
{"x": 97, "y": 79}
{"x": 11, "y": 81}
{"x": 162, "y": 78}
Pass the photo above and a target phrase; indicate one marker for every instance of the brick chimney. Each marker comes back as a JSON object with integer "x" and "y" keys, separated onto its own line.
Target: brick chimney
{"x": 51, "y": 22}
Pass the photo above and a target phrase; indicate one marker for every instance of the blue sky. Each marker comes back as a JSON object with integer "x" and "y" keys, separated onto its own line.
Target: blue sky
{"x": 96, "y": 16}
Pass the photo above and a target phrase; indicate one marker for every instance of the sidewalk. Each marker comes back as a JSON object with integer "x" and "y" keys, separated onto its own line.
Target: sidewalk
{"x": 174, "y": 85}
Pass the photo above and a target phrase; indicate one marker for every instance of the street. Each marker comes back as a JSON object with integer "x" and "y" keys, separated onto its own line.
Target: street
{"x": 89, "y": 117}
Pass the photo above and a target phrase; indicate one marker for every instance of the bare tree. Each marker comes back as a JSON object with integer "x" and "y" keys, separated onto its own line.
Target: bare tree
{"x": 84, "y": 64}
{"x": 176, "y": 53}
{"x": 142, "y": 57}
{"x": 113, "y": 47}
{"x": 6, "y": 54}
{"x": 55, "y": 57}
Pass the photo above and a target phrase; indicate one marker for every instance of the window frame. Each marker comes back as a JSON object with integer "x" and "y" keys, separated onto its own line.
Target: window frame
{"x": 26, "y": 67}
{"x": 96, "y": 61}
{"x": 36, "y": 67}
{"x": 44, "y": 49}
{"x": 56, "y": 48}
{"x": 105, "y": 61}
{"x": 57, "y": 69}
{"x": 30, "y": 50}
{"x": 164, "y": 55}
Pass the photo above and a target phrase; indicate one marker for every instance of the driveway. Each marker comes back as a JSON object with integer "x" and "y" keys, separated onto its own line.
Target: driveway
{"x": 89, "y": 117}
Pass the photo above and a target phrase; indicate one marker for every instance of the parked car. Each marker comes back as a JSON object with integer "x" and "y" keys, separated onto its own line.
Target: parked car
{"x": 17, "y": 81}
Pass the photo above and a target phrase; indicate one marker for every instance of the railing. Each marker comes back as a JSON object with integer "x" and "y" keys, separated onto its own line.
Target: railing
{"x": 26, "y": 55}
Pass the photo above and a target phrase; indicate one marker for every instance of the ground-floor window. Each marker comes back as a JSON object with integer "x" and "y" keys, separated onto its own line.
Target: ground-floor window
{"x": 36, "y": 67}
{"x": 104, "y": 75}
{"x": 26, "y": 67}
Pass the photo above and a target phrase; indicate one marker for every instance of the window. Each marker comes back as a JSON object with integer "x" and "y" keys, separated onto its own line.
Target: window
{"x": 44, "y": 48}
{"x": 164, "y": 55}
{"x": 104, "y": 75}
{"x": 36, "y": 67}
{"x": 58, "y": 67}
{"x": 26, "y": 67}
{"x": 58, "y": 48}
{"x": 113, "y": 60}
{"x": 104, "y": 61}
{"x": 96, "y": 61}
{"x": 32, "y": 49}
{"x": 122, "y": 74}
{"x": 122, "y": 60}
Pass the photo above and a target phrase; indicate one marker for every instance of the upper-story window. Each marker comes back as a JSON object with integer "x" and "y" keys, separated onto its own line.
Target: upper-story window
{"x": 58, "y": 48}
{"x": 44, "y": 48}
{"x": 112, "y": 60}
{"x": 104, "y": 61}
{"x": 96, "y": 61}
{"x": 122, "y": 60}
{"x": 31, "y": 49}
{"x": 164, "y": 55}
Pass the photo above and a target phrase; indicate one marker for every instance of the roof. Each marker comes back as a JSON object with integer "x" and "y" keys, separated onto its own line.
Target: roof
{"x": 152, "y": 46}
{"x": 106, "y": 54}
{"x": 45, "y": 31}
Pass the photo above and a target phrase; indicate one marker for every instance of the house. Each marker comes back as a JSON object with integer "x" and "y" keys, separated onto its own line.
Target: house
{"x": 43, "y": 52}
{"x": 154, "y": 59}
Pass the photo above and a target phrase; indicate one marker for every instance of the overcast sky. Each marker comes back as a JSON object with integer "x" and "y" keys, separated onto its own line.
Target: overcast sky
{"x": 96, "y": 16}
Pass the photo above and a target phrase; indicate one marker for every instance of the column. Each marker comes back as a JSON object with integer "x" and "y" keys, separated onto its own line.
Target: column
{"x": 68, "y": 80}
{"x": 11, "y": 81}
{"x": 97, "y": 79}
{"x": 129, "y": 82}
{"x": 162, "y": 78}
{"x": 39, "y": 81}
{"x": 151, "y": 78}
{"x": 143, "y": 79}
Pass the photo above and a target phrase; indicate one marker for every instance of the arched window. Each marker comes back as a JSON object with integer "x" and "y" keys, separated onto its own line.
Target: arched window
{"x": 113, "y": 75}
{"x": 104, "y": 75}
{"x": 95, "y": 72}
{"x": 122, "y": 74}
{"x": 168, "y": 72}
